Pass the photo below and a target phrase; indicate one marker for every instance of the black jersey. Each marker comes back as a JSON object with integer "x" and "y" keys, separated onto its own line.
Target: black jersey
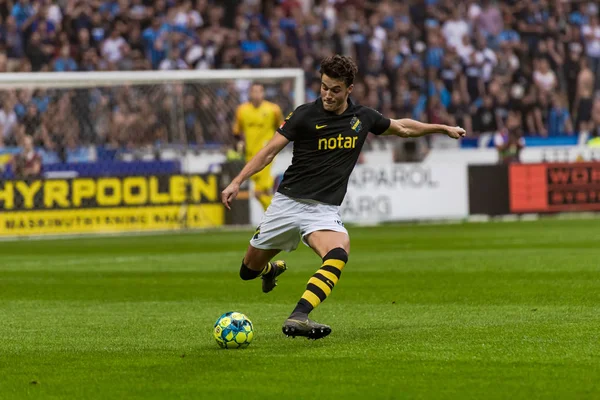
{"x": 326, "y": 149}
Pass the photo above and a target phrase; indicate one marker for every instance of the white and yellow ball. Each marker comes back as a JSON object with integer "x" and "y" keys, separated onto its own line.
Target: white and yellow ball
{"x": 233, "y": 330}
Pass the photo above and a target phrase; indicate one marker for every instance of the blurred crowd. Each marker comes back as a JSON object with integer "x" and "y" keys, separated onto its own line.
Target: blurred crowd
{"x": 477, "y": 64}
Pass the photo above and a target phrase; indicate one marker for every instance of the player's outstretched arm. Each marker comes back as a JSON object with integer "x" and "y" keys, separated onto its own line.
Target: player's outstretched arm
{"x": 263, "y": 158}
{"x": 409, "y": 128}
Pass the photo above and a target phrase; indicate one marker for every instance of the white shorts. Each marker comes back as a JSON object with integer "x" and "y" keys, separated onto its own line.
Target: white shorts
{"x": 288, "y": 220}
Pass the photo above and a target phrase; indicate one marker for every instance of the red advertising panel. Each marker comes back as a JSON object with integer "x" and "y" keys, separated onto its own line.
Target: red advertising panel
{"x": 554, "y": 187}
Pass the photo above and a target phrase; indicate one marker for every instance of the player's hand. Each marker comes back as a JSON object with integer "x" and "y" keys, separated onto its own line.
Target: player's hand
{"x": 229, "y": 194}
{"x": 456, "y": 132}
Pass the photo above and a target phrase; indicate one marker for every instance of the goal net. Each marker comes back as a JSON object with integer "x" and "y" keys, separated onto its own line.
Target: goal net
{"x": 130, "y": 109}
{"x": 115, "y": 140}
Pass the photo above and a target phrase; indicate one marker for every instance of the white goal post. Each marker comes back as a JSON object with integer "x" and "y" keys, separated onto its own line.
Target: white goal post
{"x": 34, "y": 80}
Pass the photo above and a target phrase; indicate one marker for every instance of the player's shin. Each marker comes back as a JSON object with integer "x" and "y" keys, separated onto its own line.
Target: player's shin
{"x": 249, "y": 274}
{"x": 322, "y": 282}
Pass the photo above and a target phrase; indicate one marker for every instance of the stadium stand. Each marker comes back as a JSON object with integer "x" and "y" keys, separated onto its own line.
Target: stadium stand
{"x": 470, "y": 63}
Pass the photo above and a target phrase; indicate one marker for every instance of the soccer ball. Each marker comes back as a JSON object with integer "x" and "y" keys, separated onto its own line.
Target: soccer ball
{"x": 233, "y": 330}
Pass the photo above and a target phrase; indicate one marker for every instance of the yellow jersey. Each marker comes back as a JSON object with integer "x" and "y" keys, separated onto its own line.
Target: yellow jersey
{"x": 257, "y": 124}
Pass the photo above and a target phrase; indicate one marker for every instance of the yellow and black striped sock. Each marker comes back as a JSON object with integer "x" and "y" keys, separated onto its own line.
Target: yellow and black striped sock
{"x": 322, "y": 282}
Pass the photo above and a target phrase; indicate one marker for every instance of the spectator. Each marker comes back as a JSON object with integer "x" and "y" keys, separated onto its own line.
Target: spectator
{"x": 544, "y": 77}
{"x": 571, "y": 70}
{"x": 584, "y": 97}
{"x": 39, "y": 22}
{"x": 3, "y": 62}
{"x": 153, "y": 38}
{"x": 502, "y": 106}
{"x": 556, "y": 58}
{"x": 138, "y": 10}
{"x": 114, "y": 47}
{"x": 174, "y": 61}
{"x": 84, "y": 44}
{"x": 28, "y": 163}
{"x": 22, "y": 11}
{"x": 591, "y": 34}
{"x": 455, "y": 28}
{"x": 472, "y": 79}
{"x": 435, "y": 52}
{"x": 490, "y": 22}
{"x": 79, "y": 16}
{"x": 186, "y": 17}
{"x": 31, "y": 121}
{"x": 484, "y": 120}
{"x": 449, "y": 72}
{"x": 38, "y": 53}
{"x": 509, "y": 35}
{"x": 559, "y": 122}
{"x": 487, "y": 59}
{"x": 8, "y": 121}
{"x": 65, "y": 63}
{"x": 530, "y": 106}
{"x": 99, "y": 27}
{"x": 437, "y": 112}
{"x": 134, "y": 38}
{"x": 508, "y": 63}
{"x": 541, "y": 114}
{"x": 253, "y": 48}
{"x": 89, "y": 61}
{"x": 531, "y": 23}
{"x": 459, "y": 112}
{"x": 465, "y": 49}
{"x": 15, "y": 48}
{"x": 417, "y": 103}
{"x": 54, "y": 14}
{"x": 595, "y": 131}
{"x": 193, "y": 129}
{"x": 510, "y": 142}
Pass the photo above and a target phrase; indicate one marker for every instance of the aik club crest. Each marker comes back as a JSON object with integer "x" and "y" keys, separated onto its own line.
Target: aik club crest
{"x": 356, "y": 124}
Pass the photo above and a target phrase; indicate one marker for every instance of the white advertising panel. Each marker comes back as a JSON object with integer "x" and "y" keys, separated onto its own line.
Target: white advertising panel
{"x": 394, "y": 192}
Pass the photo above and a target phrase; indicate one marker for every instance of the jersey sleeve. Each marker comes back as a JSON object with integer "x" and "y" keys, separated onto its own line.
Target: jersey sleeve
{"x": 379, "y": 123}
{"x": 291, "y": 127}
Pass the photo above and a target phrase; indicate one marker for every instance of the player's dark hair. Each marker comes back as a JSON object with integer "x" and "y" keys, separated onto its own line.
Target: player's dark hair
{"x": 339, "y": 67}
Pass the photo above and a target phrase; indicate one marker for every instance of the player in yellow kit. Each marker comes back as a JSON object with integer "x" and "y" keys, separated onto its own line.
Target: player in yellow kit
{"x": 254, "y": 126}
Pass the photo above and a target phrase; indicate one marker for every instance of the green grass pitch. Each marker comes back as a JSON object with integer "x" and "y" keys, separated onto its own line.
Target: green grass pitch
{"x": 467, "y": 311}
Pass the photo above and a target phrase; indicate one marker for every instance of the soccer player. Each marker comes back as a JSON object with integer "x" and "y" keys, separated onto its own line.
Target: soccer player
{"x": 257, "y": 121}
{"x": 328, "y": 135}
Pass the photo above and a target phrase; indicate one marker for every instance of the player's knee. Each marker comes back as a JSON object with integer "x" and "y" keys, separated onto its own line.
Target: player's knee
{"x": 337, "y": 254}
